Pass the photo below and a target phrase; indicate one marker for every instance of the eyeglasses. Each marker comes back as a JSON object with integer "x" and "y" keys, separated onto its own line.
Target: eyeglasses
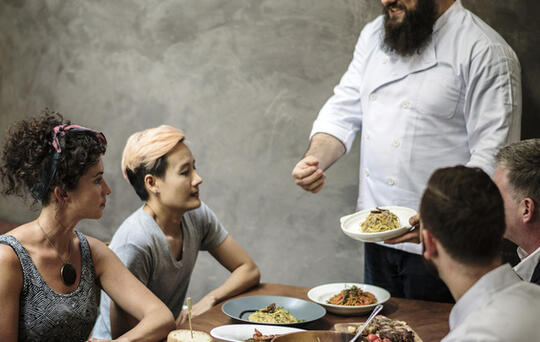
{"x": 39, "y": 190}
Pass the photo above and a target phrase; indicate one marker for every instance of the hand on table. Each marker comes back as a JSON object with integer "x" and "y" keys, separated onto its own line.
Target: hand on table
{"x": 411, "y": 236}
{"x": 205, "y": 304}
{"x": 308, "y": 175}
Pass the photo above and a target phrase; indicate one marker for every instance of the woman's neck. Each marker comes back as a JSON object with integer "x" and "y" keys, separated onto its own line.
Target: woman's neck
{"x": 57, "y": 227}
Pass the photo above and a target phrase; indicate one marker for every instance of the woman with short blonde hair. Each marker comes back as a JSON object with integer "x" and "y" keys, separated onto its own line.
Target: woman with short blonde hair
{"x": 160, "y": 241}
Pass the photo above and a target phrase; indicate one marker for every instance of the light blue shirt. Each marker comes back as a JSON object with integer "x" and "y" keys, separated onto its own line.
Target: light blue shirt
{"x": 457, "y": 102}
{"x": 526, "y": 267}
{"x": 499, "y": 307}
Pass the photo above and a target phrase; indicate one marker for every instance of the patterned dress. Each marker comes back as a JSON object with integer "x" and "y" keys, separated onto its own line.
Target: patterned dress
{"x": 45, "y": 315}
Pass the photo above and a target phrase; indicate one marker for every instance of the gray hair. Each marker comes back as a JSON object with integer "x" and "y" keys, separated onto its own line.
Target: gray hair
{"x": 522, "y": 160}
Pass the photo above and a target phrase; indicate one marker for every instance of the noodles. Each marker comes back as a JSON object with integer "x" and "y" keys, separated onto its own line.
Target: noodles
{"x": 380, "y": 220}
{"x": 353, "y": 297}
{"x": 273, "y": 313}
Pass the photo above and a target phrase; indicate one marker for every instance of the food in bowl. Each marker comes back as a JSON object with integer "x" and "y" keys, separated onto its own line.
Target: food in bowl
{"x": 353, "y": 296}
{"x": 315, "y": 336}
{"x": 380, "y": 220}
{"x": 382, "y": 328}
{"x": 258, "y": 336}
{"x": 273, "y": 313}
{"x": 184, "y": 335}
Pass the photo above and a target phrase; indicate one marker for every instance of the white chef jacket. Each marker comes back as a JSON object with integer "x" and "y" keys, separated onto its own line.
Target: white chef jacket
{"x": 528, "y": 263}
{"x": 458, "y": 102}
{"x": 499, "y": 307}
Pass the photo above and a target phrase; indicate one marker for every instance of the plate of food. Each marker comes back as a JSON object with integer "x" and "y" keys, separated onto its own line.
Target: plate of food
{"x": 348, "y": 298}
{"x": 274, "y": 310}
{"x": 250, "y": 332}
{"x": 379, "y": 224}
{"x": 381, "y": 328}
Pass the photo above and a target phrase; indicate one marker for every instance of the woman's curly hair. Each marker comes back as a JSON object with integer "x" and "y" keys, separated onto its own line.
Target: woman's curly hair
{"x": 28, "y": 152}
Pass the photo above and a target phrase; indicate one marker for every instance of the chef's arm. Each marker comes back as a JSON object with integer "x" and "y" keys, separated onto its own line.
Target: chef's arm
{"x": 326, "y": 149}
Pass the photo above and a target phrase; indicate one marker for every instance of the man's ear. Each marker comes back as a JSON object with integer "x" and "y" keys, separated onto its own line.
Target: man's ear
{"x": 151, "y": 184}
{"x": 527, "y": 209}
{"x": 430, "y": 245}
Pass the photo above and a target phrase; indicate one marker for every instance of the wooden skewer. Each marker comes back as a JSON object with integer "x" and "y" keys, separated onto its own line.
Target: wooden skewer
{"x": 189, "y": 316}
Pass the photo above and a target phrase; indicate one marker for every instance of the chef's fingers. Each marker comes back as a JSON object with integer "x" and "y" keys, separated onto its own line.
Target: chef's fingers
{"x": 414, "y": 220}
{"x": 306, "y": 181}
{"x": 317, "y": 185}
{"x": 413, "y": 237}
{"x": 300, "y": 173}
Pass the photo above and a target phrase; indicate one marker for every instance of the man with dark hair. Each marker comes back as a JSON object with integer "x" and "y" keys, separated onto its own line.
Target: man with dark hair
{"x": 430, "y": 85}
{"x": 518, "y": 177}
{"x": 462, "y": 225}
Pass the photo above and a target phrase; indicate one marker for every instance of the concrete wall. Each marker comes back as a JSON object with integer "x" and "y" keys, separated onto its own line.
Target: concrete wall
{"x": 244, "y": 79}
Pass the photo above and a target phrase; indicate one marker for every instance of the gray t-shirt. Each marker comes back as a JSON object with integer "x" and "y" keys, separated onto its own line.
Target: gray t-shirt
{"x": 143, "y": 248}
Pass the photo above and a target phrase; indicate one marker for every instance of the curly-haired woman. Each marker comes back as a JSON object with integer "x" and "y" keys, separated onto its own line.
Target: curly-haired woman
{"x": 51, "y": 273}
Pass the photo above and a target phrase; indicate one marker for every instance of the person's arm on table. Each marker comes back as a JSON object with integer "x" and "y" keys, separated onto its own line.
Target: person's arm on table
{"x": 244, "y": 275}
{"x": 154, "y": 319}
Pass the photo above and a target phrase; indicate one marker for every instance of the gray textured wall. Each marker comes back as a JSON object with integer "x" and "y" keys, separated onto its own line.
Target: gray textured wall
{"x": 244, "y": 79}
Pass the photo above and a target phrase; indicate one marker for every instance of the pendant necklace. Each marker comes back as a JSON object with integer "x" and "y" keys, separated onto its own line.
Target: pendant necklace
{"x": 67, "y": 272}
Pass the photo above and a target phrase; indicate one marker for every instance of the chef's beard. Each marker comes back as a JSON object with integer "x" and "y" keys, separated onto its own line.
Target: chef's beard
{"x": 414, "y": 31}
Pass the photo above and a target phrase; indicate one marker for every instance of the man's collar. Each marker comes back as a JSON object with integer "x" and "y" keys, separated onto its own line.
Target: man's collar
{"x": 444, "y": 17}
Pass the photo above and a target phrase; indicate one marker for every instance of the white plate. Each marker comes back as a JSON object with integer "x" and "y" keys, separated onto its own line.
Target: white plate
{"x": 241, "y": 332}
{"x": 350, "y": 224}
{"x": 322, "y": 293}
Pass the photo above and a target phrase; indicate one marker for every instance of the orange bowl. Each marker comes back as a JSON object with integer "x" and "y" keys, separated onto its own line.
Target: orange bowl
{"x": 312, "y": 335}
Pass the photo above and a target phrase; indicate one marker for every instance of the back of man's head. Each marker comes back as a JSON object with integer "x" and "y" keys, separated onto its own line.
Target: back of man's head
{"x": 463, "y": 209}
{"x": 521, "y": 161}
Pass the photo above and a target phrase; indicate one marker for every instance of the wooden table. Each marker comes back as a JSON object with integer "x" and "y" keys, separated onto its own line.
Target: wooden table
{"x": 428, "y": 319}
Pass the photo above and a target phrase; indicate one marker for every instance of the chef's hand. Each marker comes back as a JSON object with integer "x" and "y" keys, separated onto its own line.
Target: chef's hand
{"x": 308, "y": 175}
{"x": 412, "y": 236}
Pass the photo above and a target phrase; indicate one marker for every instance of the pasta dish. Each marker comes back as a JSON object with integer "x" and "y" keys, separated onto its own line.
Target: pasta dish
{"x": 353, "y": 297}
{"x": 380, "y": 220}
{"x": 273, "y": 313}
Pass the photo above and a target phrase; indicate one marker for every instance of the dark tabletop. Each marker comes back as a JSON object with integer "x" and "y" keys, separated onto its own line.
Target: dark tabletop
{"x": 428, "y": 319}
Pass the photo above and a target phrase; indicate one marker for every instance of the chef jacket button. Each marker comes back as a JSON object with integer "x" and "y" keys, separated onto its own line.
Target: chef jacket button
{"x": 391, "y": 181}
{"x": 385, "y": 60}
{"x": 367, "y": 136}
{"x": 405, "y": 104}
{"x": 395, "y": 143}
{"x": 366, "y": 172}
{"x": 373, "y": 96}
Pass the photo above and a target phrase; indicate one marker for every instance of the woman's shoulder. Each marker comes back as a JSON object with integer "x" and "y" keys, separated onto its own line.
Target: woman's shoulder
{"x": 10, "y": 266}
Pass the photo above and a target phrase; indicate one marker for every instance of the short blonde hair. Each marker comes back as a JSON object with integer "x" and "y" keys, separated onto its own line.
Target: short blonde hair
{"x": 144, "y": 149}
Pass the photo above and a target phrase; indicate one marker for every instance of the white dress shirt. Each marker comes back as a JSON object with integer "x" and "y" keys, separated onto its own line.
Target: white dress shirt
{"x": 528, "y": 263}
{"x": 499, "y": 307}
{"x": 458, "y": 102}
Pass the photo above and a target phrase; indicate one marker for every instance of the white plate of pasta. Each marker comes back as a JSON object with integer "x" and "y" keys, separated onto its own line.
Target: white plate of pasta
{"x": 378, "y": 224}
{"x": 348, "y": 298}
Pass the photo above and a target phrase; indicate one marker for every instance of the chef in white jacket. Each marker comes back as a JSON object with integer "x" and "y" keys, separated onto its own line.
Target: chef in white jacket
{"x": 430, "y": 85}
